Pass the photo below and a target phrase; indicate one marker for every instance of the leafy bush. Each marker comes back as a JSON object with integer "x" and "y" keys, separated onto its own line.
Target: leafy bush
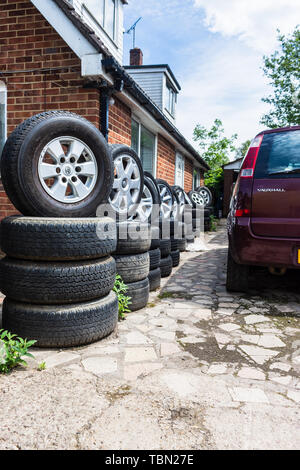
{"x": 120, "y": 289}
{"x": 213, "y": 223}
{"x": 12, "y": 350}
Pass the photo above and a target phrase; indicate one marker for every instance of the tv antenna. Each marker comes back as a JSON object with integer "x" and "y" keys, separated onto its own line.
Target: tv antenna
{"x": 132, "y": 28}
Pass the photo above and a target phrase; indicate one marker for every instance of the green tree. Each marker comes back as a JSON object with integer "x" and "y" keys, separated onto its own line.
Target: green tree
{"x": 283, "y": 70}
{"x": 242, "y": 150}
{"x": 215, "y": 150}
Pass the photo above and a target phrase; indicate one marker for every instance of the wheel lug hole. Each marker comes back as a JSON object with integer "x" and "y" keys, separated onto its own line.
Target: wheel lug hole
{"x": 78, "y": 169}
{"x": 64, "y": 180}
{"x": 58, "y": 170}
{"x": 74, "y": 179}
{"x": 62, "y": 160}
{"x": 72, "y": 160}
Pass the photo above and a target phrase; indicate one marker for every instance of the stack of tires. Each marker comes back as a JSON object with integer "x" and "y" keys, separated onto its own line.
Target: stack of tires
{"x": 197, "y": 211}
{"x": 58, "y": 274}
{"x": 168, "y": 225}
{"x": 58, "y": 277}
{"x": 133, "y": 261}
{"x": 154, "y": 276}
{"x": 205, "y": 195}
{"x": 132, "y": 198}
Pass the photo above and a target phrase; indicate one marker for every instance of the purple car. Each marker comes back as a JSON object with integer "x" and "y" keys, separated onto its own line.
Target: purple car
{"x": 264, "y": 218}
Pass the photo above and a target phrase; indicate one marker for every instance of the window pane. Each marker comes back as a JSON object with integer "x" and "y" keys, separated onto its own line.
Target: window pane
{"x": 135, "y": 136}
{"x": 179, "y": 172}
{"x": 279, "y": 152}
{"x": 2, "y": 119}
{"x": 147, "y": 150}
{"x": 96, "y": 7}
{"x": 109, "y": 25}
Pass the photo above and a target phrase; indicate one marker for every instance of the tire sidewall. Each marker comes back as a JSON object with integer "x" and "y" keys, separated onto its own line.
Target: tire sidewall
{"x": 31, "y": 149}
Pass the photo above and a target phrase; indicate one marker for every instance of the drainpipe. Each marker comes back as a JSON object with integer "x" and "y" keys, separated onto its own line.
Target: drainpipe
{"x": 105, "y": 95}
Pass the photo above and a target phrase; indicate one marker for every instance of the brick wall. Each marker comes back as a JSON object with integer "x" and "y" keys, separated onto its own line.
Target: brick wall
{"x": 119, "y": 124}
{"x": 188, "y": 175}
{"x": 165, "y": 160}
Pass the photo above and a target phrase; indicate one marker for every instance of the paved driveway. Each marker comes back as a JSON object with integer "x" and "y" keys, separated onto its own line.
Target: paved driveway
{"x": 199, "y": 368}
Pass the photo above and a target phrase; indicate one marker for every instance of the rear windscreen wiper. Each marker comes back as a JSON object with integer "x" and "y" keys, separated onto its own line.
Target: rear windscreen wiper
{"x": 285, "y": 172}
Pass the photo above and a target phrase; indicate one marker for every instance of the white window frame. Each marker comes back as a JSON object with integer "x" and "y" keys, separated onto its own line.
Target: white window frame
{"x": 171, "y": 99}
{"x": 140, "y": 124}
{"x": 3, "y": 89}
{"x": 179, "y": 157}
{"x": 198, "y": 178}
{"x": 92, "y": 21}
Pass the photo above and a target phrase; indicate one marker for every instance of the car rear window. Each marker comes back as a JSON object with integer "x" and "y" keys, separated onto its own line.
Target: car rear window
{"x": 279, "y": 153}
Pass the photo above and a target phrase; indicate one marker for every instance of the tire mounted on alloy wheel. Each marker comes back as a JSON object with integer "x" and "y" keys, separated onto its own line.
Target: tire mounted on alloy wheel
{"x": 57, "y": 164}
{"x": 128, "y": 183}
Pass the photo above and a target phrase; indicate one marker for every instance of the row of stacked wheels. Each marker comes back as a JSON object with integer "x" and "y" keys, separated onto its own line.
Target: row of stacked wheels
{"x": 88, "y": 212}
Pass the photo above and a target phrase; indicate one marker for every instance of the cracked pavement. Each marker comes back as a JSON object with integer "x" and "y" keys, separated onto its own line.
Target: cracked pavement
{"x": 199, "y": 368}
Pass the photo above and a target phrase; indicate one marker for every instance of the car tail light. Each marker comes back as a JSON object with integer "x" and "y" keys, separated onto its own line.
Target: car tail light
{"x": 242, "y": 213}
{"x": 248, "y": 165}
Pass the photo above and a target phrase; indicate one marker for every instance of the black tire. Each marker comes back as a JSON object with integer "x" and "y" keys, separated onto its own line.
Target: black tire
{"x": 166, "y": 188}
{"x": 139, "y": 293}
{"x": 120, "y": 150}
{"x": 62, "y": 326}
{"x": 154, "y": 279}
{"x": 155, "y": 258}
{"x": 154, "y": 189}
{"x": 207, "y": 194}
{"x": 20, "y": 159}
{"x": 191, "y": 238}
{"x": 133, "y": 268}
{"x": 175, "y": 255}
{"x": 197, "y": 199}
{"x": 166, "y": 266}
{"x": 176, "y": 206}
{"x": 182, "y": 245}
{"x": 199, "y": 212}
{"x": 49, "y": 283}
{"x": 237, "y": 275}
{"x": 168, "y": 227}
{"x": 165, "y": 248}
{"x": 133, "y": 238}
{"x": 155, "y": 235}
{"x": 49, "y": 239}
{"x": 174, "y": 244}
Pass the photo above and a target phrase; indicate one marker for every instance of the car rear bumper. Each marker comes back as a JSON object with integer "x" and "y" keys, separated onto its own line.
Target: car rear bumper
{"x": 249, "y": 249}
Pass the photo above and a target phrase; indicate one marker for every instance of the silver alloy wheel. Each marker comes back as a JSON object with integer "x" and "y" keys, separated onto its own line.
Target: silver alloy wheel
{"x": 166, "y": 201}
{"x": 126, "y": 186}
{"x": 67, "y": 170}
{"x": 144, "y": 210}
{"x": 180, "y": 195}
{"x": 205, "y": 196}
{"x": 198, "y": 199}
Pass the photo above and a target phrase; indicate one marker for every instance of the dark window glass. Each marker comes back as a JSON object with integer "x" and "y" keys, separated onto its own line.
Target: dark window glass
{"x": 147, "y": 150}
{"x": 279, "y": 153}
{"x": 135, "y": 136}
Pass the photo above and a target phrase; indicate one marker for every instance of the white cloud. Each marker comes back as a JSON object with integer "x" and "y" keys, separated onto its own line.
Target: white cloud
{"x": 226, "y": 84}
{"x": 255, "y": 22}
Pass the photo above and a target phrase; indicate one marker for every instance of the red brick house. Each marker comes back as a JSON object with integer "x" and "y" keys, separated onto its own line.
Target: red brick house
{"x": 67, "y": 54}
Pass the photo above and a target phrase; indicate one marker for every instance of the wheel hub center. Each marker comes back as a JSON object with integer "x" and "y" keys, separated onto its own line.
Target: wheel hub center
{"x": 124, "y": 183}
{"x": 67, "y": 170}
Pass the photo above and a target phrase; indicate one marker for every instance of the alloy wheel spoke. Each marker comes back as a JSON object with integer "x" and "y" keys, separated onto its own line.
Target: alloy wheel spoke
{"x": 87, "y": 169}
{"x": 48, "y": 171}
{"x": 59, "y": 189}
{"x": 55, "y": 150}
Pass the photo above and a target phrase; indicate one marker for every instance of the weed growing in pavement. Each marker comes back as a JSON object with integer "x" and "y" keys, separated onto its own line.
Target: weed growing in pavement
{"x": 12, "y": 351}
{"x": 120, "y": 289}
{"x": 42, "y": 366}
{"x": 213, "y": 223}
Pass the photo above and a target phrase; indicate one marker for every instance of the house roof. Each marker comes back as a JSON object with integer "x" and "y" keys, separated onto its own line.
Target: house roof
{"x": 112, "y": 66}
{"x": 161, "y": 66}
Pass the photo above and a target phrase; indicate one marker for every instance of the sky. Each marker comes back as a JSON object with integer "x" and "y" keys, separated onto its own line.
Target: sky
{"x": 215, "y": 49}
